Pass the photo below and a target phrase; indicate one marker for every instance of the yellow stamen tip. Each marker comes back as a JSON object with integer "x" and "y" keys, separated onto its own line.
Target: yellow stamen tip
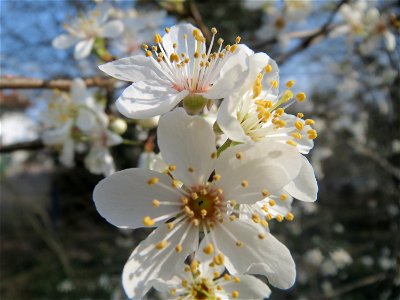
{"x": 152, "y": 181}
{"x": 161, "y": 245}
{"x": 147, "y": 221}
{"x": 208, "y": 249}
{"x": 301, "y": 97}
{"x": 268, "y": 68}
{"x": 290, "y": 83}
{"x": 289, "y": 216}
{"x": 235, "y": 294}
{"x": 156, "y": 203}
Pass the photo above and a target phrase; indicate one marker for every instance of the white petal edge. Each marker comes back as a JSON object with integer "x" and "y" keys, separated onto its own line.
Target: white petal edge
{"x": 111, "y": 29}
{"x": 64, "y": 41}
{"x": 304, "y": 187}
{"x": 147, "y": 99}
{"x": 83, "y": 49}
{"x": 125, "y": 197}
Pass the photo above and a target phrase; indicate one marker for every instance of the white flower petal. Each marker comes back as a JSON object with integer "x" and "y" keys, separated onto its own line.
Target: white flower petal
{"x": 57, "y": 136}
{"x": 304, "y": 187}
{"x": 147, "y": 263}
{"x": 266, "y": 256}
{"x": 83, "y": 49}
{"x": 146, "y": 99}
{"x": 68, "y": 153}
{"x": 113, "y": 139}
{"x": 100, "y": 161}
{"x": 85, "y": 120}
{"x": 111, "y": 29}
{"x": 125, "y": 197}
{"x": 187, "y": 142}
{"x": 230, "y": 75}
{"x": 79, "y": 92}
{"x": 390, "y": 40}
{"x": 249, "y": 287}
{"x": 64, "y": 41}
{"x": 264, "y": 165}
{"x": 175, "y": 35}
{"x": 228, "y": 122}
{"x": 134, "y": 68}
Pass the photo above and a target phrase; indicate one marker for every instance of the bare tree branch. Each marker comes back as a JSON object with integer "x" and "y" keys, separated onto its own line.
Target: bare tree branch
{"x": 28, "y": 146}
{"x": 61, "y": 84}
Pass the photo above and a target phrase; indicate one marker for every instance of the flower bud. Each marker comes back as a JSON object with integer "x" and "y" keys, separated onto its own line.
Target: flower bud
{"x": 119, "y": 126}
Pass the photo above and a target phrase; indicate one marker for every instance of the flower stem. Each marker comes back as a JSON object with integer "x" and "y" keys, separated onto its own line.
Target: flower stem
{"x": 225, "y": 146}
{"x": 132, "y": 143}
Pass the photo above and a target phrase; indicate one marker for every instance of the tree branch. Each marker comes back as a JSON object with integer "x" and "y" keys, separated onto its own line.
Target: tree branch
{"x": 28, "y": 146}
{"x": 61, "y": 84}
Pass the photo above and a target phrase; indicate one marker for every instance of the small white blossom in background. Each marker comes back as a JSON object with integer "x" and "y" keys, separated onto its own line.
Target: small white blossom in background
{"x": 207, "y": 280}
{"x": 84, "y": 30}
{"x": 341, "y": 258}
{"x": 314, "y": 257}
{"x": 74, "y": 120}
{"x": 193, "y": 204}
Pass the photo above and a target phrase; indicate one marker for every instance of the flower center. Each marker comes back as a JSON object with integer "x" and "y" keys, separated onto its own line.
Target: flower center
{"x": 205, "y": 204}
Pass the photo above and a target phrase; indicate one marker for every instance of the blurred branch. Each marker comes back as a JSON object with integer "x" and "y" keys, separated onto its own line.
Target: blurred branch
{"x": 381, "y": 161}
{"x": 313, "y": 38}
{"x": 34, "y": 145}
{"x": 357, "y": 284}
{"x": 61, "y": 84}
{"x": 198, "y": 19}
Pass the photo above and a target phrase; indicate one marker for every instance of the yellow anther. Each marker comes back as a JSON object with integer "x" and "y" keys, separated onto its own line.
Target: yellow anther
{"x": 167, "y": 29}
{"x": 300, "y": 115}
{"x": 283, "y": 197}
{"x": 147, "y": 221}
{"x": 233, "y": 203}
{"x": 236, "y": 279}
{"x": 289, "y": 216}
{"x": 228, "y": 48}
{"x": 221, "y": 55}
{"x": 264, "y": 223}
{"x": 214, "y": 155}
{"x": 264, "y": 208}
{"x": 268, "y": 217}
{"x": 174, "y": 45}
{"x": 172, "y": 168}
{"x": 220, "y": 41}
{"x": 170, "y": 225}
{"x": 274, "y": 84}
{"x": 280, "y": 123}
{"x": 157, "y": 38}
{"x": 178, "y": 248}
{"x": 237, "y": 40}
{"x": 185, "y": 36}
{"x": 296, "y": 135}
{"x": 174, "y": 57}
{"x": 196, "y": 222}
{"x": 176, "y": 183}
{"x": 255, "y": 218}
{"x": 216, "y": 274}
{"x": 148, "y": 53}
{"x": 310, "y": 122}
{"x": 287, "y": 95}
{"x": 154, "y": 48}
{"x": 279, "y": 218}
{"x": 152, "y": 181}
{"x": 290, "y": 83}
{"x": 184, "y": 283}
{"x": 261, "y": 236}
{"x": 271, "y": 202}
{"x": 208, "y": 249}
{"x": 194, "y": 265}
{"x": 219, "y": 288}
{"x": 311, "y": 131}
{"x": 216, "y": 177}
{"x": 301, "y": 97}
{"x": 227, "y": 277}
{"x": 268, "y": 68}
{"x": 184, "y": 200}
{"x": 145, "y": 47}
{"x": 219, "y": 259}
{"x": 220, "y": 191}
{"x": 265, "y": 193}
{"x": 203, "y": 213}
{"x": 203, "y": 192}
{"x": 214, "y": 30}
{"x": 187, "y": 269}
{"x": 196, "y": 32}
{"x": 194, "y": 195}
{"x": 232, "y": 218}
{"x": 156, "y": 203}
{"x": 239, "y": 243}
{"x": 312, "y": 136}
{"x": 190, "y": 169}
{"x": 172, "y": 291}
{"x": 235, "y": 294}
{"x": 245, "y": 183}
{"x": 291, "y": 143}
{"x": 239, "y": 155}
{"x": 161, "y": 245}
{"x": 279, "y": 112}
{"x": 299, "y": 125}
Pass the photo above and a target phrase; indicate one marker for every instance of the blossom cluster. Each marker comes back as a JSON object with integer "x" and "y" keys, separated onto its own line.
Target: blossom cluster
{"x": 209, "y": 206}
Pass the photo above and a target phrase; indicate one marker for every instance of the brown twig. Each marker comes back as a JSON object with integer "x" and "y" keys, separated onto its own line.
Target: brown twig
{"x": 28, "y": 146}
{"x": 61, "y": 84}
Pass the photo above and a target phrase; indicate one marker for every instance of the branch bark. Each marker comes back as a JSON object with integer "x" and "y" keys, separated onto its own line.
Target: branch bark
{"x": 61, "y": 84}
{"x": 28, "y": 146}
